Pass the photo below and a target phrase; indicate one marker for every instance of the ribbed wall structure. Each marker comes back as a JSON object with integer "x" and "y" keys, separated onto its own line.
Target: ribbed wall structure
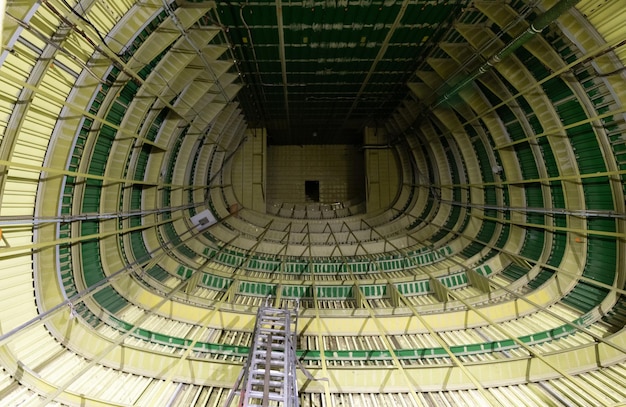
{"x": 496, "y": 277}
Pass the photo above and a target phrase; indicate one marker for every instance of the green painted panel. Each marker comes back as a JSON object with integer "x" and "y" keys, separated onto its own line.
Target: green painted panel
{"x": 514, "y": 271}
{"x": 158, "y": 273}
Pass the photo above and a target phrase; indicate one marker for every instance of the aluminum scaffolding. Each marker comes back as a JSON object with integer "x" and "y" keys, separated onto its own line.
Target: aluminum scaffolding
{"x": 269, "y": 375}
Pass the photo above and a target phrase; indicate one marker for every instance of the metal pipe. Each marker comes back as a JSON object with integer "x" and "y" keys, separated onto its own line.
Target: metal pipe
{"x": 381, "y": 53}
{"x": 39, "y": 220}
{"x": 537, "y": 26}
{"x": 375, "y": 147}
{"x": 283, "y": 60}
{"x": 583, "y": 213}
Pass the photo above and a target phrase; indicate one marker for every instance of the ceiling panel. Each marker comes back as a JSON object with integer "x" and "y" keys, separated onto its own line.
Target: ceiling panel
{"x": 346, "y": 63}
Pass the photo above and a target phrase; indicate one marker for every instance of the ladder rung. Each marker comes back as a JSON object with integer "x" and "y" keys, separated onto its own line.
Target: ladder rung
{"x": 273, "y": 324}
{"x": 276, "y": 321}
{"x": 272, "y": 347}
{"x": 273, "y": 367}
{"x": 277, "y": 339}
{"x": 273, "y": 331}
{"x": 261, "y": 357}
{"x": 274, "y": 360}
{"x": 278, "y": 390}
{"x": 270, "y": 383}
{"x": 277, "y": 353}
{"x": 262, "y": 368}
{"x": 272, "y": 319}
{"x": 256, "y": 374}
{"x": 268, "y": 319}
{"x": 265, "y": 344}
{"x": 270, "y": 396}
{"x": 276, "y": 348}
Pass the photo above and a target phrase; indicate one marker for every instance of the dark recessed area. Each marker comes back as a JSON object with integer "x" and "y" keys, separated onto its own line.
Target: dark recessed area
{"x": 312, "y": 191}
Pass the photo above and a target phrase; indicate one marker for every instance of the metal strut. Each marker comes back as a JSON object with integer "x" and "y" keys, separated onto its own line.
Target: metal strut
{"x": 269, "y": 375}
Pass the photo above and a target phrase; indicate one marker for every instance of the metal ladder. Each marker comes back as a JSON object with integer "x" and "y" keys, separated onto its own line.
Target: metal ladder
{"x": 270, "y": 371}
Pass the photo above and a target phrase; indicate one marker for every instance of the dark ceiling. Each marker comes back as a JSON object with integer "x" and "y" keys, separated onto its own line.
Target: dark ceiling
{"x": 317, "y": 72}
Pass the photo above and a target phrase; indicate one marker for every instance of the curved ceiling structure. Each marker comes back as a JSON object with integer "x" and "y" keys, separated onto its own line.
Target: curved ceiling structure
{"x": 493, "y": 274}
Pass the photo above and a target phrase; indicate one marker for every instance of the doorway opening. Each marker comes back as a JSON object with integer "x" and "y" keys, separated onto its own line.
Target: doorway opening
{"x": 312, "y": 191}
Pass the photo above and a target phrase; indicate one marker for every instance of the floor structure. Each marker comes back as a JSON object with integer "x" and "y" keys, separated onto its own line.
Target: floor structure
{"x": 136, "y": 244}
